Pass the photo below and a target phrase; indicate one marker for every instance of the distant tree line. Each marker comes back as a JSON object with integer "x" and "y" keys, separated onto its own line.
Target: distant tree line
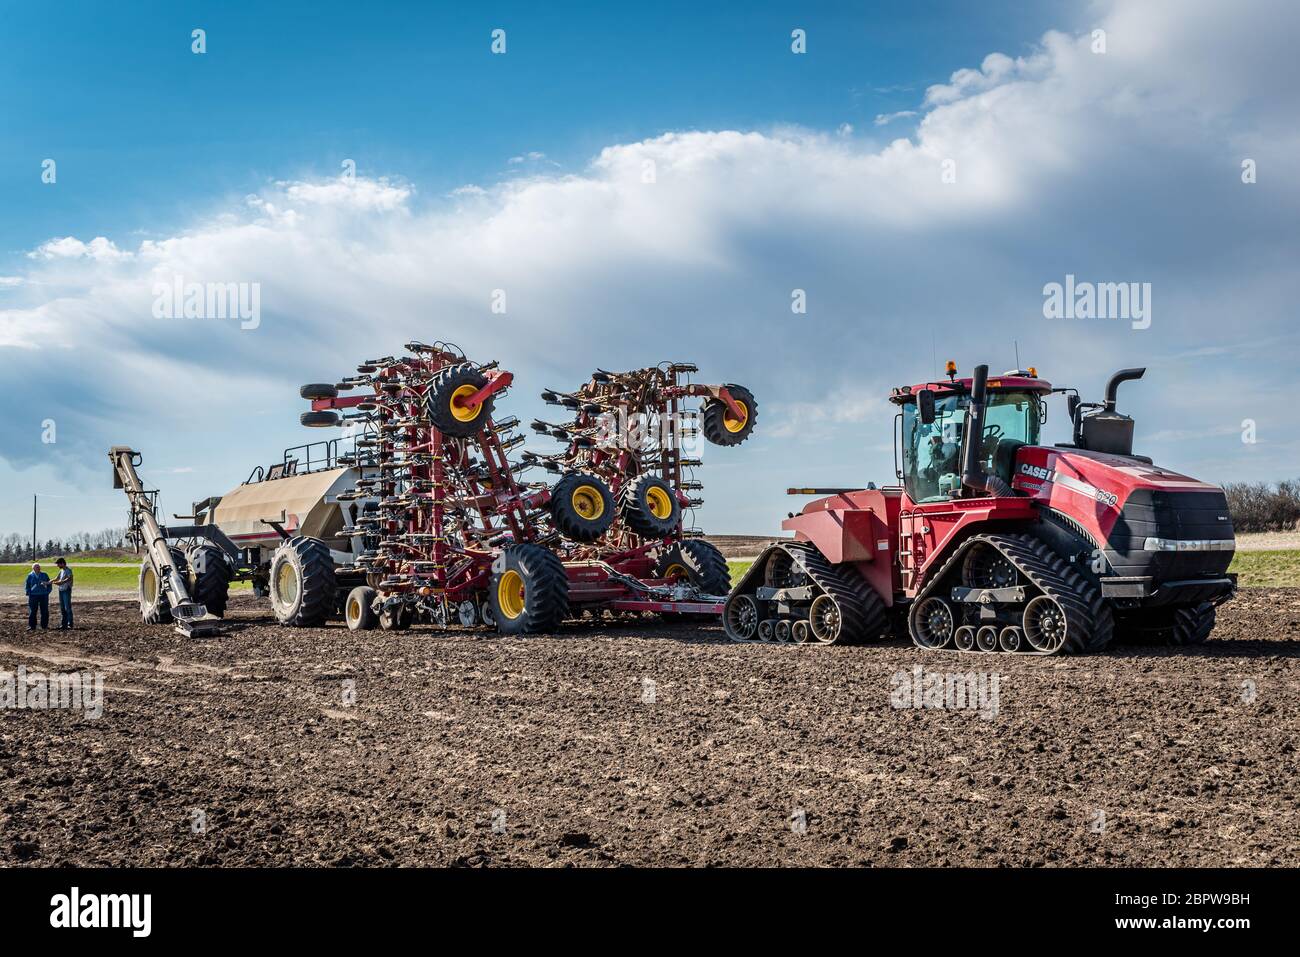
{"x": 16, "y": 547}
{"x": 1261, "y": 507}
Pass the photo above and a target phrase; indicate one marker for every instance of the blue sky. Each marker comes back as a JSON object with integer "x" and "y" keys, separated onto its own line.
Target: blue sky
{"x": 776, "y": 172}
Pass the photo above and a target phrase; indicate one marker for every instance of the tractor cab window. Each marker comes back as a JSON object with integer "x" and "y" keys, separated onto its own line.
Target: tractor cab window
{"x": 932, "y": 452}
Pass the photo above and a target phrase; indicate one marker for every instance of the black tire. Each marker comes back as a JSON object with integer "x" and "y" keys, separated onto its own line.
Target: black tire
{"x": 319, "y": 390}
{"x": 155, "y": 605}
{"x": 358, "y": 610}
{"x": 449, "y": 385}
{"x": 209, "y": 578}
{"x": 529, "y": 592}
{"x": 700, "y": 562}
{"x": 582, "y": 507}
{"x": 1170, "y": 626}
{"x": 320, "y": 420}
{"x": 716, "y": 421}
{"x": 650, "y": 507}
{"x": 302, "y": 582}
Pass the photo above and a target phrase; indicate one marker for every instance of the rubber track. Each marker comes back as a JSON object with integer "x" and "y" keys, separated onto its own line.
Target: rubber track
{"x": 1089, "y": 620}
{"x": 862, "y": 613}
{"x": 1193, "y": 625}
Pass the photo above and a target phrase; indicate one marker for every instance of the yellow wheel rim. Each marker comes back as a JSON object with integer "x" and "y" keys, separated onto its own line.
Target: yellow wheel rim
{"x": 661, "y": 505}
{"x": 354, "y": 610}
{"x": 588, "y": 502}
{"x": 677, "y": 571}
{"x": 733, "y": 424}
{"x": 149, "y": 585}
{"x": 286, "y": 581}
{"x": 510, "y": 594}
{"x": 463, "y": 413}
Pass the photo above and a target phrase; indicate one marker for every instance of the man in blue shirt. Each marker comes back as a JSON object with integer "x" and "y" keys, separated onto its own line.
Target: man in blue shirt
{"x": 38, "y": 597}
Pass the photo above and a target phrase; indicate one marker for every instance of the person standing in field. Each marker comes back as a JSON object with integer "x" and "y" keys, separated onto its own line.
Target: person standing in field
{"x": 38, "y": 597}
{"x": 64, "y": 581}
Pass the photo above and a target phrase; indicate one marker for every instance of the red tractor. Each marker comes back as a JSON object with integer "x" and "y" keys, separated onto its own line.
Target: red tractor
{"x": 995, "y": 542}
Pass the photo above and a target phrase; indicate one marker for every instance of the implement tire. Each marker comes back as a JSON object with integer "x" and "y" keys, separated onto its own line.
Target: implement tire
{"x": 698, "y": 561}
{"x": 717, "y": 422}
{"x": 209, "y": 578}
{"x": 650, "y": 507}
{"x": 302, "y": 582}
{"x": 449, "y": 386}
{"x": 155, "y": 605}
{"x": 529, "y": 592}
{"x": 582, "y": 507}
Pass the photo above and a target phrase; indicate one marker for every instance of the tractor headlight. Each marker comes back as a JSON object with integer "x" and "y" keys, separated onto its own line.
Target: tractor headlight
{"x": 1189, "y": 545}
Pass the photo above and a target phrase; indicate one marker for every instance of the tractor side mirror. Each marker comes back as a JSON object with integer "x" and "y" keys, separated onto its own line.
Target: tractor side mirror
{"x": 1072, "y": 403}
{"x": 925, "y": 406}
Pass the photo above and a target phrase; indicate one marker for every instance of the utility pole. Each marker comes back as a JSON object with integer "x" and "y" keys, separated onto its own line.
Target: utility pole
{"x": 33, "y": 528}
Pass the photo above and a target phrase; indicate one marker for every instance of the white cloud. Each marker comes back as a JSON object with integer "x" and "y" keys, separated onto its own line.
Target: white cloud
{"x": 884, "y": 119}
{"x": 99, "y": 249}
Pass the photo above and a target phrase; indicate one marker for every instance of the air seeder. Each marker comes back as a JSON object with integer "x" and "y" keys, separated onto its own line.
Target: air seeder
{"x": 995, "y": 542}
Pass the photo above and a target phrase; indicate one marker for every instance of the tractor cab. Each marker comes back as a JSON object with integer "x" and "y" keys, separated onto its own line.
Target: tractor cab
{"x": 933, "y": 425}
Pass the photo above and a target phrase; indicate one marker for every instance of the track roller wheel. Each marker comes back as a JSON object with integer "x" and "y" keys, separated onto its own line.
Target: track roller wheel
{"x": 963, "y": 638}
{"x": 720, "y": 425}
{"x": 824, "y": 623}
{"x": 650, "y": 507}
{"x": 782, "y": 631}
{"x": 931, "y": 623}
{"x": 155, "y": 604}
{"x": 986, "y": 639}
{"x": 359, "y": 612}
{"x": 529, "y": 592}
{"x": 302, "y": 582}
{"x": 800, "y": 632}
{"x": 582, "y": 506}
{"x": 740, "y": 618}
{"x": 1045, "y": 625}
{"x": 698, "y": 561}
{"x": 1010, "y": 639}
{"x": 767, "y": 630}
{"x": 447, "y": 392}
{"x": 209, "y": 578}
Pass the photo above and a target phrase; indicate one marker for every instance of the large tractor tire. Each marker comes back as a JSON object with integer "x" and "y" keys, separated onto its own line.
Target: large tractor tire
{"x": 450, "y": 386}
{"x": 359, "y": 611}
{"x": 529, "y": 591}
{"x": 650, "y": 507}
{"x": 1170, "y": 626}
{"x": 319, "y": 390}
{"x": 697, "y": 561}
{"x": 302, "y": 582}
{"x": 582, "y": 507}
{"x": 720, "y": 426}
{"x": 155, "y": 604}
{"x": 209, "y": 578}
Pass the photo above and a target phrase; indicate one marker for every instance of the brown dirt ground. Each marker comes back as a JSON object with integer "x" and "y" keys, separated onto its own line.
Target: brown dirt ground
{"x": 552, "y": 733}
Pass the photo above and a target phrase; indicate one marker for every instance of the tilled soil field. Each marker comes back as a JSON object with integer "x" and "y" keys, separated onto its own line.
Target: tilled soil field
{"x": 645, "y": 743}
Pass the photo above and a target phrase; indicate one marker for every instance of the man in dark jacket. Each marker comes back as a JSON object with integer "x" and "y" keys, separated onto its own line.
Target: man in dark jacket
{"x": 38, "y": 597}
{"x": 64, "y": 583}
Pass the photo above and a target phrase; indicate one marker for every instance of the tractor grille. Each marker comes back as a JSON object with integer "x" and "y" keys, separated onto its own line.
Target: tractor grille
{"x": 1178, "y": 516}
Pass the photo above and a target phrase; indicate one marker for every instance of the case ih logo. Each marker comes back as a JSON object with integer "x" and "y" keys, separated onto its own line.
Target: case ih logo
{"x": 1083, "y": 488}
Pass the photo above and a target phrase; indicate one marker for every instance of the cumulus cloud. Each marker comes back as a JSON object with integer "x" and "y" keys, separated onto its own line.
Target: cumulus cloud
{"x": 1114, "y": 168}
